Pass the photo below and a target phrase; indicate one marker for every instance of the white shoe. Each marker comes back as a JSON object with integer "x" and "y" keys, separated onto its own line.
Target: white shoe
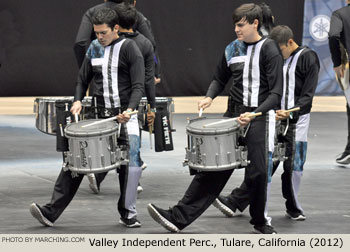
{"x": 144, "y": 166}
{"x": 139, "y": 189}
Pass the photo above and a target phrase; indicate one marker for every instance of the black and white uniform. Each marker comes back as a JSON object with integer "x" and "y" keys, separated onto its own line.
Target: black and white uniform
{"x": 300, "y": 77}
{"x": 118, "y": 73}
{"x": 256, "y": 70}
{"x": 146, "y": 49}
{"x": 339, "y": 31}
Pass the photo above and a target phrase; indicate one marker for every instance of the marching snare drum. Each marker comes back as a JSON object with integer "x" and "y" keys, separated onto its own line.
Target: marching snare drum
{"x": 214, "y": 148}
{"x": 93, "y": 149}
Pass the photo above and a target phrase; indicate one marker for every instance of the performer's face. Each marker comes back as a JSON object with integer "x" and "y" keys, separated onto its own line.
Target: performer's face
{"x": 286, "y": 50}
{"x": 246, "y": 32}
{"x": 105, "y": 34}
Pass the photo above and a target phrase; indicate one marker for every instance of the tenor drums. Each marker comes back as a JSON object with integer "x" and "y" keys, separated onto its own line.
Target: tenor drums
{"x": 93, "y": 149}
{"x": 279, "y": 152}
{"x": 162, "y": 103}
{"x": 213, "y": 148}
{"x": 45, "y": 111}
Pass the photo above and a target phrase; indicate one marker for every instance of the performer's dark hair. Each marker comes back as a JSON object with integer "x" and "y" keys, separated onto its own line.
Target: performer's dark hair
{"x": 127, "y": 15}
{"x": 267, "y": 16}
{"x": 281, "y": 34}
{"x": 106, "y": 16}
{"x": 249, "y": 12}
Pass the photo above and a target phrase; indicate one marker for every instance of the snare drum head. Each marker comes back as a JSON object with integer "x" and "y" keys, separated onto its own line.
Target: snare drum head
{"x": 199, "y": 126}
{"x": 76, "y": 129}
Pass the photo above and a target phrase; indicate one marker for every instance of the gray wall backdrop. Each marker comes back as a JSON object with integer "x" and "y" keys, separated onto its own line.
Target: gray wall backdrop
{"x": 37, "y": 36}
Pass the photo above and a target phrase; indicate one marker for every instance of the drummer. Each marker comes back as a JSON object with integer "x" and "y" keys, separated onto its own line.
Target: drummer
{"x": 117, "y": 66}
{"x": 127, "y": 19}
{"x": 301, "y": 75}
{"x": 256, "y": 68}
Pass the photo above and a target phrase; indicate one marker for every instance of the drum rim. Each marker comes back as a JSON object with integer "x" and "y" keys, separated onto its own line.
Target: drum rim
{"x": 211, "y": 131}
{"x": 96, "y": 133}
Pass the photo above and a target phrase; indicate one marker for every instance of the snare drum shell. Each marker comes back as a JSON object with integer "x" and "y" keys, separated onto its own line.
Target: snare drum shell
{"x": 93, "y": 150}
{"x": 212, "y": 149}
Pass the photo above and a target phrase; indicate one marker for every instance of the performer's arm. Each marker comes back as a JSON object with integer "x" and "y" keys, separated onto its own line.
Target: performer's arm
{"x": 274, "y": 73}
{"x": 336, "y": 28}
{"x": 221, "y": 77}
{"x": 83, "y": 38}
{"x": 310, "y": 67}
{"x": 137, "y": 74}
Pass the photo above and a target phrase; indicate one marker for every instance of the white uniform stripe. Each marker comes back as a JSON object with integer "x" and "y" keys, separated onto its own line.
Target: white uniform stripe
{"x": 289, "y": 70}
{"x": 238, "y": 59}
{"x": 251, "y": 99}
{"x": 272, "y": 128}
{"x": 302, "y": 128}
{"x": 114, "y": 72}
{"x": 256, "y": 74}
{"x": 105, "y": 77}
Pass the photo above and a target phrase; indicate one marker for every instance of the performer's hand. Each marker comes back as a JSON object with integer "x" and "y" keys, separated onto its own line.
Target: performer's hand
{"x": 124, "y": 117}
{"x": 205, "y": 103}
{"x": 156, "y": 80}
{"x": 281, "y": 115}
{"x": 339, "y": 70}
{"x": 243, "y": 120}
{"x": 76, "y": 107}
{"x": 150, "y": 118}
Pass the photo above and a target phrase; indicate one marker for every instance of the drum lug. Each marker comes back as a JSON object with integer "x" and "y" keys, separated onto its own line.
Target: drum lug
{"x": 185, "y": 162}
{"x": 103, "y": 161}
{"x": 65, "y": 166}
{"x": 90, "y": 161}
{"x": 217, "y": 159}
{"x": 244, "y": 156}
{"x": 229, "y": 157}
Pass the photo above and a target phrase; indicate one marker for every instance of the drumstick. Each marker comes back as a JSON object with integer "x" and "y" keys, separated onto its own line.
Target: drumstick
{"x": 200, "y": 112}
{"x": 292, "y": 110}
{"x": 251, "y": 115}
{"x": 108, "y": 119}
{"x": 76, "y": 115}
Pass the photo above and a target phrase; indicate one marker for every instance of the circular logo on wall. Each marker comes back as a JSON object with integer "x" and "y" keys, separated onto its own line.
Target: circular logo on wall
{"x": 319, "y": 27}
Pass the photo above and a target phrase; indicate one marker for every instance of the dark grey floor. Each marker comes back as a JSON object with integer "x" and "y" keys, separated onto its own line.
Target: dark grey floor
{"x": 29, "y": 166}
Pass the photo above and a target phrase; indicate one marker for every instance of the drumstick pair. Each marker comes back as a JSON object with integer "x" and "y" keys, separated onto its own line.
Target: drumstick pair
{"x": 252, "y": 115}
{"x": 108, "y": 119}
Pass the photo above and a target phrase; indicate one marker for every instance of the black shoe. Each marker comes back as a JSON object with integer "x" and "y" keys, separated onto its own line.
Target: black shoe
{"x": 130, "y": 223}
{"x": 343, "y": 158}
{"x": 295, "y": 216}
{"x": 37, "y": 214}
{"x": 225, "y": 206}
{"x": 264, "y": 229}
{"x": 159, "y": 215}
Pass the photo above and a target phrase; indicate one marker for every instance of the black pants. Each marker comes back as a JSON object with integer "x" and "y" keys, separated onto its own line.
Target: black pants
{"x": 239, "y": 197}
{"x": 206, "y": 186}
{"x": 67, "y": 185}
{"x": 347, "y": 148}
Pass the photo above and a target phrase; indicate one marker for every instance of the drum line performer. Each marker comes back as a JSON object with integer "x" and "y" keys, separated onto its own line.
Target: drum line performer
{"x": 339, "y": 32}
{"x": 256, "y": 70}
{"x": 300, "y": 72}
{"x": 116, "y": 65}
{"x": 127, "y": 19}
{"x": 86, "y": 34}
